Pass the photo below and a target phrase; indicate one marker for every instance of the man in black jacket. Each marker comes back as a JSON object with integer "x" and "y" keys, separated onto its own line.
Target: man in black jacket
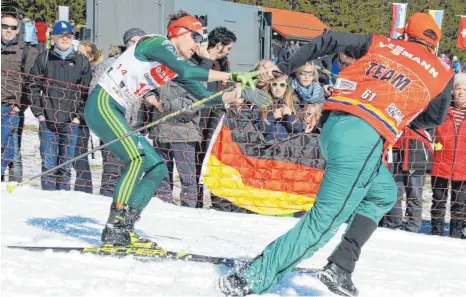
{"x": 58, "y": 93}
{"x": 220, "y": 44}
{"x": 17, "y": 59}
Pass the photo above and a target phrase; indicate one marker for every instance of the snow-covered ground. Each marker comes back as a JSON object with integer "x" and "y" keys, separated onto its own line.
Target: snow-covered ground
{"x": 393, "y": 263}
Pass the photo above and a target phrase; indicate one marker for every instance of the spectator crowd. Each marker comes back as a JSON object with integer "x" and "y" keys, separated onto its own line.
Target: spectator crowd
{"x": 45, "y": 69}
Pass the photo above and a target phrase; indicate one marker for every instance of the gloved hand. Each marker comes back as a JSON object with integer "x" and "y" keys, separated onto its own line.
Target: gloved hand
{"x": 256, "y": 96}
{"x": 247, "y": 79}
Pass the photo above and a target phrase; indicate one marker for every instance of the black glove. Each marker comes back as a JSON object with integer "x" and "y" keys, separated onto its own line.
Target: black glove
{"x": 256, "y": 96}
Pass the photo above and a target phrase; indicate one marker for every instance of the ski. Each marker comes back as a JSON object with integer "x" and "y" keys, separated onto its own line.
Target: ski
{"x": 156, "y": 254}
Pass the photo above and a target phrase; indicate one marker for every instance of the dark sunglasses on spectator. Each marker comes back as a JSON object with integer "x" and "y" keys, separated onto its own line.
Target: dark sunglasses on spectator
{"x": 281, "y": 85}
{"x": 307, "y": 73}
{"x": 6, "y": 26}
{"x": 198, "y": 38}
{"x": 67, "y": 35}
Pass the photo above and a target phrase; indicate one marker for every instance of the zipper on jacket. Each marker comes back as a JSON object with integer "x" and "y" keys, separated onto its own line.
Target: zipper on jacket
{"x": 456, "y": 143}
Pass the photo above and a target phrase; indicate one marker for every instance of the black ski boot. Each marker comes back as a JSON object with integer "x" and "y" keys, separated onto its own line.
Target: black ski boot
{"x": 115, "y": 232}
{"x": 132, "y": 216}
{"x": 119, "y": 230}
{"x": 338, "y": 280}
{"x": 234, "y": 285}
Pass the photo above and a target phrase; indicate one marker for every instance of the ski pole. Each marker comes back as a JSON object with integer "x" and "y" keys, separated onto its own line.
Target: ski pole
{"x": 11, "y": 187}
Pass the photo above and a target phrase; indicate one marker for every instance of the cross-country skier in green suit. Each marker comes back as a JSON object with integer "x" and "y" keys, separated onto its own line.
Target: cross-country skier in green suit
{"x": 150, "y": 63}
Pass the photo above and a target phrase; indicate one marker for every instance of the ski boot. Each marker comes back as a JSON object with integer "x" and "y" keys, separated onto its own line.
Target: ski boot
{"x": 234, "y": 285}
{"x": 132, "y": 216}
{"x": 119, "y": 230}
{"x": 338, "y": 280}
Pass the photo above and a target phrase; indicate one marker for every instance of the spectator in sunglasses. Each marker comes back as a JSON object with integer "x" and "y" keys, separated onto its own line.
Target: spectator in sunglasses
{"x": 17, "y": 59}
{"x": 279, "y": 120}
{"x": 305, "y": 84}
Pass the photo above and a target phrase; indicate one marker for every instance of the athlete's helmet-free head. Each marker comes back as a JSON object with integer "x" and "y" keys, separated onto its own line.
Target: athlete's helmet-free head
{"x": 186, "y": 35}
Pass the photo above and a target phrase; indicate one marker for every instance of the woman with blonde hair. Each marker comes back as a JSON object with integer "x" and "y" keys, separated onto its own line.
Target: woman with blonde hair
{"x": 305, "y": 82}
{"x": 90, "y": 50}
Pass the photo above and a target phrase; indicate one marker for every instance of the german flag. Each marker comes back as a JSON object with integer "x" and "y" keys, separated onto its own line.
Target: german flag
{"x": 277, "y": 178}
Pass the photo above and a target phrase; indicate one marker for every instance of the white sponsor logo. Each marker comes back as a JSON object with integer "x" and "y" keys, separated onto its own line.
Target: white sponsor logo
{"x": 395, "y": 113}
{"x": 344, "y": 84}
{"x": 400, "y": 51}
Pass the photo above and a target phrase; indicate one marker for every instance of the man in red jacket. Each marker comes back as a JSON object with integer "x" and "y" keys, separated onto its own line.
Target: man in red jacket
{"x": 41, "y": 33}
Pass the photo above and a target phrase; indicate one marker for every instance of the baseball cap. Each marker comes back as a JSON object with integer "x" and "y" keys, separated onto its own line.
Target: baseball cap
{"x": 422, "y": 26}
{"x": 131, "y": 33}
{"x": 62, "y": 27}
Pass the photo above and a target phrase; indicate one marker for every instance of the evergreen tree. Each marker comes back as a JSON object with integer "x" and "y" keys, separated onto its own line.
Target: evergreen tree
{"x": 375, "y": 16}
{"x": 49, "y": 9}
{"x": 355, "y": 16}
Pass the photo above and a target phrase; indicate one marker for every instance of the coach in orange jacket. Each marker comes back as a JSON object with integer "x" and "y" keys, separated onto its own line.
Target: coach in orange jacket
{"x": 374, "y": 99}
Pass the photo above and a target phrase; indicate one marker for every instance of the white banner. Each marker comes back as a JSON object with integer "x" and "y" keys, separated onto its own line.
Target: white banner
{"x": 63, "y": 13}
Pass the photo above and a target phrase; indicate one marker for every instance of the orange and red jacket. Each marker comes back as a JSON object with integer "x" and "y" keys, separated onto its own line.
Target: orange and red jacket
{"x": 450, "y": 162}
{"x": 390, "y": 85}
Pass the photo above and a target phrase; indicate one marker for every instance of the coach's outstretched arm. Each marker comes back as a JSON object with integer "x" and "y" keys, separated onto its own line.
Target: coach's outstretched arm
{"x": 329, "y": 43}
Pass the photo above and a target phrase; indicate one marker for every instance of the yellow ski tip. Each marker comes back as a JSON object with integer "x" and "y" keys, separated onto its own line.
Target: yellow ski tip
{"x": 11, "y": 187}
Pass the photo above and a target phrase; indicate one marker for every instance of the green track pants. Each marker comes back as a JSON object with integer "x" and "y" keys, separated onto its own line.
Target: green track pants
{"x": 355, "y": 182}
{"x": 144, "y": 168}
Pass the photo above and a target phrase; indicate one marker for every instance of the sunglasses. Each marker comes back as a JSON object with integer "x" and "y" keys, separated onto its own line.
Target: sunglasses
{"x": 198, "y": 38}
{"x": 5, "y": 26}
{"x": 281, "y": 85}
{"x": 306, "y": 73}
{"x": 67, "y": 35}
